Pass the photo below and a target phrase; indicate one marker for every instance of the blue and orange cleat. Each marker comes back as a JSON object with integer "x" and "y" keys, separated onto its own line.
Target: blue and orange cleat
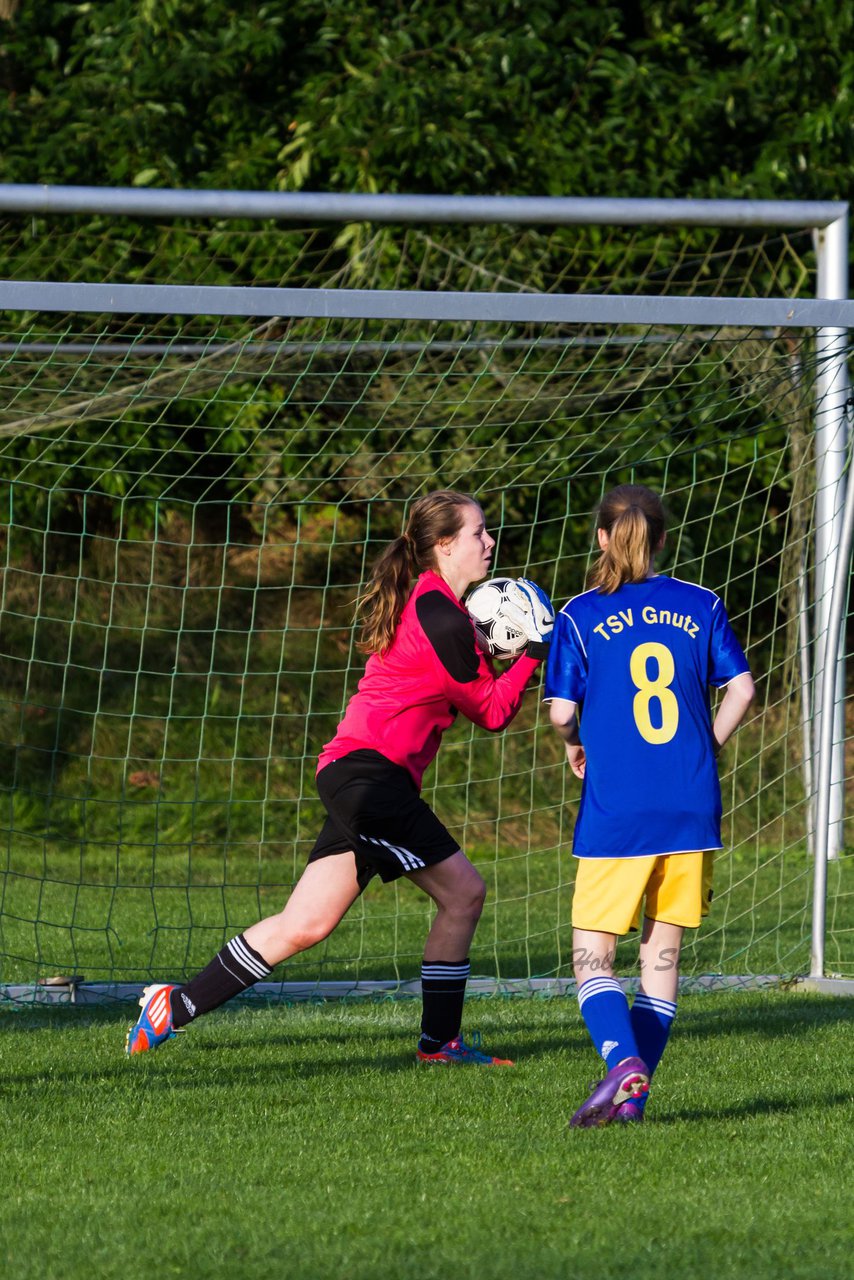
{"x": 628, "y": 1080}
{"x": 456, "y": 1053}
{"x": 154, "y": 1024}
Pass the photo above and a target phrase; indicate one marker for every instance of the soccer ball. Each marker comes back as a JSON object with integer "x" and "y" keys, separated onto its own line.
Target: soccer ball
{"x": 498, "y": 634}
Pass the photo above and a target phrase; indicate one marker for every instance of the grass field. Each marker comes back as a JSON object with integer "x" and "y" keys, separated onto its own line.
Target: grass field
{"x": 305, "y": 1142}
{"x": 55, "y": 920}
{"x": 160, "y": 718}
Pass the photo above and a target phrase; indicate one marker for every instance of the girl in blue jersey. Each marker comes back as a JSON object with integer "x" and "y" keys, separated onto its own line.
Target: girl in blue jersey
{"x": 628, "y": 678}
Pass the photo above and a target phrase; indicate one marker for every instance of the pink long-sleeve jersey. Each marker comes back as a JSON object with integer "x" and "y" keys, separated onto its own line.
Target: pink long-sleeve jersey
{"x": 409, "y": 696}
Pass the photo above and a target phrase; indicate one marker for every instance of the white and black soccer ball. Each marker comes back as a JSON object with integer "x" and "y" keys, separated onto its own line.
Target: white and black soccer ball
{"x": 498, "y": 634}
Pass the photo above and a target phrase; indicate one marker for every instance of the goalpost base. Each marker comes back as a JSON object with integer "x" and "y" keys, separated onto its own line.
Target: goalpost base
{"x": 58, "y": 992}
{"x": 828, "y": 986}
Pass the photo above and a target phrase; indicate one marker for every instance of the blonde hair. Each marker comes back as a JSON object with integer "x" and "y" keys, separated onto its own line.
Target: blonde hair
{"x": 436, "y": 516}
{"x": 633, "y": 517}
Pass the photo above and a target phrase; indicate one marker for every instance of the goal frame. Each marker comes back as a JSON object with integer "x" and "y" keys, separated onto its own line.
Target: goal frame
{"x": 829, "y": 314}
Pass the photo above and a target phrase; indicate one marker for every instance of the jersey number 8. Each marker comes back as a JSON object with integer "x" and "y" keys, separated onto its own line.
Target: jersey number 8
{"x": 657, "y": 690}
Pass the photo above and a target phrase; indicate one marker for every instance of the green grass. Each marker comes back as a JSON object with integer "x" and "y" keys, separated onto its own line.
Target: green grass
{"x": 157, "y": 796}
{"x": 305, "y": 1142}
{"x": 162, "y": 916}
{"x": 165, "y": 920}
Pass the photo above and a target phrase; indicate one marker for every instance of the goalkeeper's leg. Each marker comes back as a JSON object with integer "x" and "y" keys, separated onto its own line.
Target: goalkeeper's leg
{"x": 321, "y": 898}
{"x": 458, "y": 890}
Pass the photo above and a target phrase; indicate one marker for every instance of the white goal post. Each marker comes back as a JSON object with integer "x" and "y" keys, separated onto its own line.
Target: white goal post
{"x": 828, "y": 316}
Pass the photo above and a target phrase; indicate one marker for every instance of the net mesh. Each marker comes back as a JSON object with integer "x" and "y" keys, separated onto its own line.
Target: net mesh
{"x": 699, "y": 261}
{"x": 189, "y": 509}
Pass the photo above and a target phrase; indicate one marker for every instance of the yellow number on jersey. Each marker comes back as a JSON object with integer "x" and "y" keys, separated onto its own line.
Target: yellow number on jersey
{"x": 658, "y": 689}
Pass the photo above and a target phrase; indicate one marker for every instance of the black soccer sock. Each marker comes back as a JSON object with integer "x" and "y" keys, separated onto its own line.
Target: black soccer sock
{"x": 231, "y": 971}
{"x": 443, "y": 991}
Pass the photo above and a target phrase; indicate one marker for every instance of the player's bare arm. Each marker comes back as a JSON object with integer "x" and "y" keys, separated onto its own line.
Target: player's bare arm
{"x": 564, "y": 716}
{"x": 740, "y": 692}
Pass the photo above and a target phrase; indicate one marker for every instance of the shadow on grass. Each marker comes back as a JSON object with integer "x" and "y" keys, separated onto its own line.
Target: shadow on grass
{"x": 764, "y": 1015}
{"x": 784, "y": 1014}
{"x": 755, "y": 1107}
{"x": 179, "y": 1075}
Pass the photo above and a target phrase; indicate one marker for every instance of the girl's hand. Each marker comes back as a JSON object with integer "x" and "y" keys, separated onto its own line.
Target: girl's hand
{"x": 577, "y": 759}
{"x": 528, "y": 606}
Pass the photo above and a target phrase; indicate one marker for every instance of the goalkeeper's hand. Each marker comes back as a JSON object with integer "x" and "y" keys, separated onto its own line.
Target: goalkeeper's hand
{"x": 533, "y": 613}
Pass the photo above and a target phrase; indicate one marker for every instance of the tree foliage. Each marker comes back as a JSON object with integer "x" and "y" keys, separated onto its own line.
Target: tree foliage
{"x": 737, "y": 98}
{"x": 656, "y": 97}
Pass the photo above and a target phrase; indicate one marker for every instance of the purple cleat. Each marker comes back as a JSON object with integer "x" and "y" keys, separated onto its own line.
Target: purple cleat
{"x": 629, "y": 1079}
{"x": 628, "y": 1113}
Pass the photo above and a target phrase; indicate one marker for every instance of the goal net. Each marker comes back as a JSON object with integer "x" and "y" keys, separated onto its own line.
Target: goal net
{"x": 189, "y": 507}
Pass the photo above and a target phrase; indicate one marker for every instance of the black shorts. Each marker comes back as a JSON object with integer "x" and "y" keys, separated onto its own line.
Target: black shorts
{"x": 374, "y": 809}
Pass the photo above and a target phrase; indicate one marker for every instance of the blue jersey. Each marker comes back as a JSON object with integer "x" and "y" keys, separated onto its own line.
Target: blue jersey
{"x": 639, "y": 663}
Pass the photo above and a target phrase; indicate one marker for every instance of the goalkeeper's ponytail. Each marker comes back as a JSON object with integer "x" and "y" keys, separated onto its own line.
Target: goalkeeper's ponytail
{"x": 633, "y": 518}
{"x": 431, "y": 519}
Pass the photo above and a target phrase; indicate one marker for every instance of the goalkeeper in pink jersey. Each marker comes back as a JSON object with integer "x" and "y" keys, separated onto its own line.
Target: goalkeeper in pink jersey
{"x": 635, "y": 655}
{"x": 424, "y": 667}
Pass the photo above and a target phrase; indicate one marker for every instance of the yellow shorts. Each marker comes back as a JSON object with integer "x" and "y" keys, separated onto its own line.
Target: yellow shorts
{"x": 610, "y": 892}
{"x": 708, "y": 882}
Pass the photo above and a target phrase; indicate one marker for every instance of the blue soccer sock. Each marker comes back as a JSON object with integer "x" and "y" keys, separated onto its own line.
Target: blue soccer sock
{"x": 652, "y": 1019}
{"x": 605, "y": 1010}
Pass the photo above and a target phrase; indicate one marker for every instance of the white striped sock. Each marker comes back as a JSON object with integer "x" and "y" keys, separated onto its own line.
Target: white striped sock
{"x": 251, "y": 964}
{"x": 595, "y": 987}
{"x": 666, "y": 1008}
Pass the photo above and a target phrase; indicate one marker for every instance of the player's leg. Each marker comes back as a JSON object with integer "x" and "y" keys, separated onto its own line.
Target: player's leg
{"x": 397, "y": 834}
{"x": 677, "y": 891}
{"x": 606, "y": 899}
{"x": 661, "y": 944}
{"x": 654, "y": 1006}
{"x": 324, "y": 893}
{"x": 321, "y": 898}
{"x": 459, "y": 892}
{"x": 601, "y": 998}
